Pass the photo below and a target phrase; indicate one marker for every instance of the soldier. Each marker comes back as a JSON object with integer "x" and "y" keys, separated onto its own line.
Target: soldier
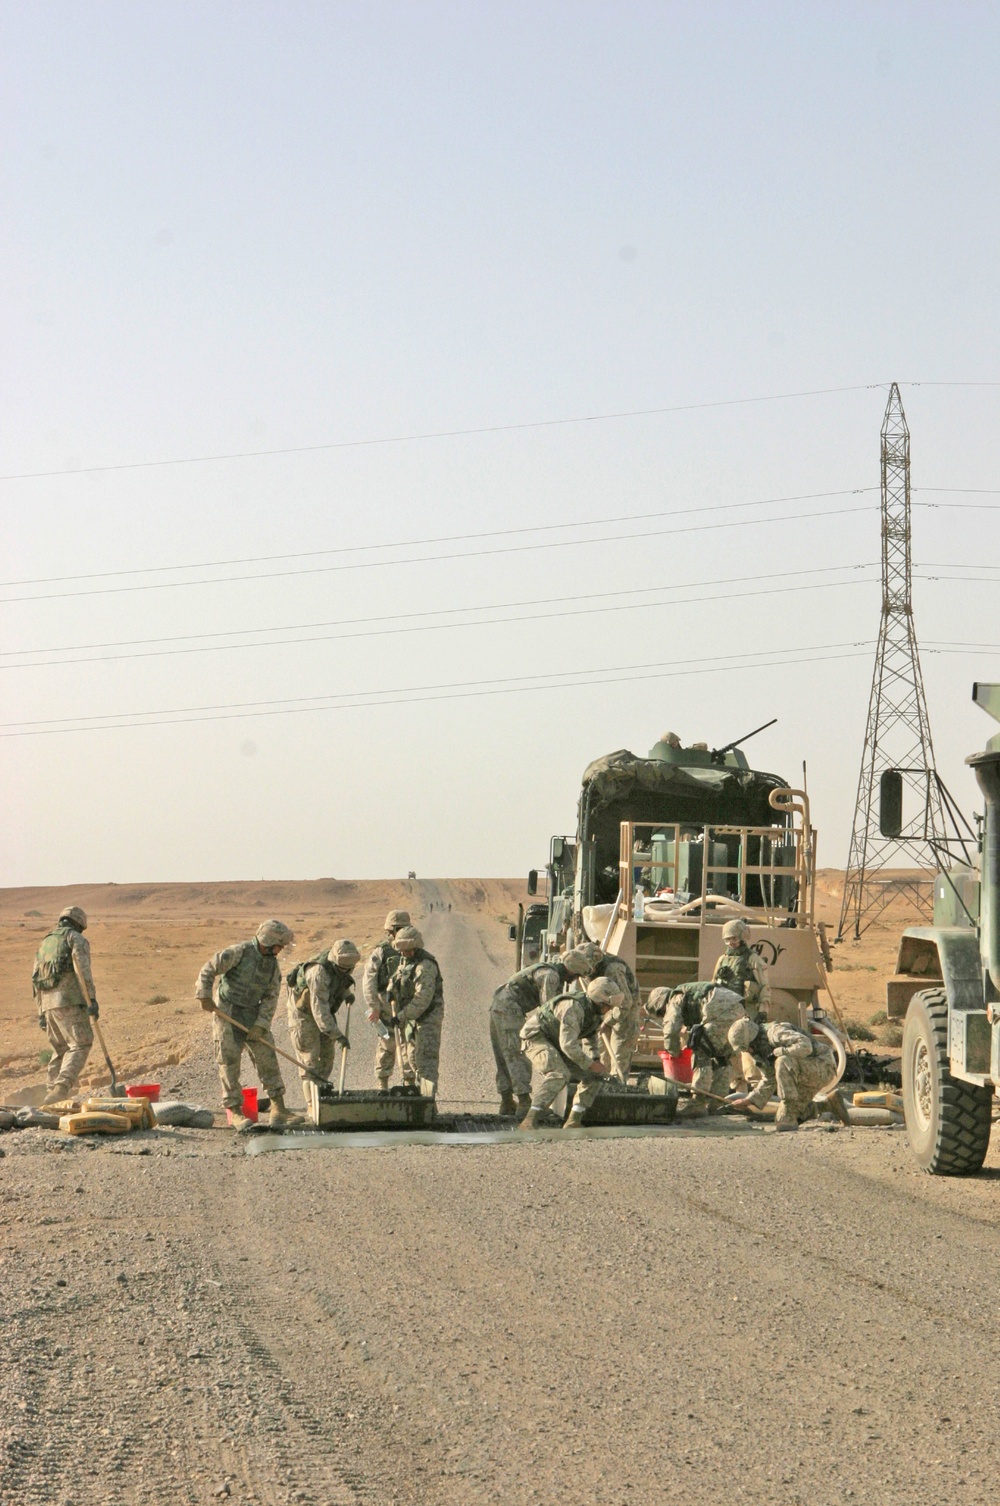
{"x": 561, "y": 1042}
{"x": 743, "y": 970}
{"x": 512, "y": 1003}
{"x": 622, "y": 1033}
{"x": 791, "y": 1062}
{"x": 316, "y": 989}
{"x": 706, "y": 1012}
{"x": 249, "y": 977}
{"x": 63, "y": 986}
{"x": 379, "y": 969}
{"x": 416, "y": 988}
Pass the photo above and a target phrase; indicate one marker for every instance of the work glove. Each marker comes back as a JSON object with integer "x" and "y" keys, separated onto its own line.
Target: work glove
{"x": 208, "y": 1005}
{"x": 342, "y": 1041}
{"x": 41, "y": 1022}
{"x": 93, "y": 1010}
{"x": 698, "y": 1036}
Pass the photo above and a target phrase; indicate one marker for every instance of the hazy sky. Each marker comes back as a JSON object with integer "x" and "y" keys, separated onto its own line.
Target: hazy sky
{"x": 244, "y": 227}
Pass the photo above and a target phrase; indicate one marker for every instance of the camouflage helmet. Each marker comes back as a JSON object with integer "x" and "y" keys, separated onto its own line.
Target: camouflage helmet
{"x": 345, "y": 953}
{"x": 579, "y": 961}
{"x": 409, "y": 936}
{"x": 274, "y": 933}
{"x": 656, "y": 1003}
{"x": 75, "y": 916}
{"x": 396, "y": 919}
{"x": 735, "y": 930}
{"x": 742, "y": 1033}
{"x": 603, "y": 993}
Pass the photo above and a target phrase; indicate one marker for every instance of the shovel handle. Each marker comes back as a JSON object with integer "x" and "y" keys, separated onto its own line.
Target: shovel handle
{"x": 343, "y": 1051}
{"x": 276, "y": 1049}
{"x": 100, "y": 1036}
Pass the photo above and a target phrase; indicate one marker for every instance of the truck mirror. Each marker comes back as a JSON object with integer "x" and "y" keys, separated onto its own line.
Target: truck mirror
{"x": 533, "y": 881}
{"x": 558, "y": 848}
{"x": 890, "y": 803}
{"x": 512, "y": 933}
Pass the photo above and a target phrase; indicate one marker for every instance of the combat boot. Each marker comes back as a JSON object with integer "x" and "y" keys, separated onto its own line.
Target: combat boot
{"x": 56, "y": 1094}
{"x": 523, "y": 1104}
{"x": 530, "y": 1120}
{"x": 383, "y": 1084}
{"x": 575, "y": 1120}
{"x": 784, "y": 1119}
{"x": 508, "y": 1108}
{"x": 836, "y": 1106}
{"x": 280, "y": 1116}
{"x": 238, "y": 1122}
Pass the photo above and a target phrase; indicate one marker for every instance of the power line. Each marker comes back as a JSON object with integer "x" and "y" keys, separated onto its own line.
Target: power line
{"x": 426, "y": 559}
{"x": 408, "y": 625}
{"x": 451, "y": 538}
{"x": 393, "y": 439}
{"x": 456, "y": 690}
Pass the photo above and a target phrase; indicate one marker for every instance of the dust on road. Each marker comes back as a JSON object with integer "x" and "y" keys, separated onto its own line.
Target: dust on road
{"x": 794, "y": 1318}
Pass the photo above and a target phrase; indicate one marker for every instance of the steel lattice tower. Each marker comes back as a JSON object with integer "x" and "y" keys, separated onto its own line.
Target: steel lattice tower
{"x": 898, "y": 733}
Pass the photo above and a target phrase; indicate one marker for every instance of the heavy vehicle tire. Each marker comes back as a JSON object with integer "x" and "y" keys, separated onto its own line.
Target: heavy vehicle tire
{"x": 947, "y": 1121}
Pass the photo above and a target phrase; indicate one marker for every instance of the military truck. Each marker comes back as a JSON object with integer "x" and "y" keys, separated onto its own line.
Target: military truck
{"x": 948, "y": 982}
{"x": 667, "y": 849}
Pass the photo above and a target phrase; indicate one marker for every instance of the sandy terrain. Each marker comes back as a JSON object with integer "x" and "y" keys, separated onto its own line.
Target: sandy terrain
{"x": 716, "y": 1312}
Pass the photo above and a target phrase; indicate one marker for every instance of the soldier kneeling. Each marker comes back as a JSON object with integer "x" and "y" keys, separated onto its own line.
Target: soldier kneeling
{"x": 561, "y": 1040}
{"x": 790, "y": 1062}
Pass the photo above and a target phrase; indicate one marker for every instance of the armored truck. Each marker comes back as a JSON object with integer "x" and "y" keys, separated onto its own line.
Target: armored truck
{"x": 948, "y": 982}
{"x": 669, "y": 847}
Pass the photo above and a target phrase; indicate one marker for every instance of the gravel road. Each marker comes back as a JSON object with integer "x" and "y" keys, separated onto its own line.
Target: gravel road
{"x": 712, "y": 1314}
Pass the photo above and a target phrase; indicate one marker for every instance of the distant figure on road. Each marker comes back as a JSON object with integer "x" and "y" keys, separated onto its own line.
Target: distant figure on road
{"x": 379, "y": 968}
{"x": 248, "y": 976}
{"x": 416, "y": 989}
{"x": 561, "y": 1041}
{"x": 316, "y": 989}
{"x": 512, "y": 1003}
{"x": 791, "y": 1062}
{"x": 63, "y": 986}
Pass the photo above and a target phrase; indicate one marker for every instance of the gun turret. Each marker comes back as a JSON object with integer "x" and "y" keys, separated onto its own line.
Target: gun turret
{"x": 718, "y": 754}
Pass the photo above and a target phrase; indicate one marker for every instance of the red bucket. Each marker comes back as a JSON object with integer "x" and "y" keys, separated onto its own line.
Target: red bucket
{"x": 678, "y": 1068}
{"x": 150, "y": 1090}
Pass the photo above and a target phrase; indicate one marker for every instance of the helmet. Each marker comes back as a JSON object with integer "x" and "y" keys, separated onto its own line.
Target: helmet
{"x": 75, "y": 916}
{"x": 409, "y": 936}
{"x": 579, "y": 960}
{"x": 602, "y": 991}
{"x": 345, "y": 953}
{"x": 742, "y": 1033}
{"x": 397, "y": 918}
{"x": 274, "y": 933}
{"x": 735, "y": 930}
{"x": 671, "y": 739}
{"x": 657, "y": 1001}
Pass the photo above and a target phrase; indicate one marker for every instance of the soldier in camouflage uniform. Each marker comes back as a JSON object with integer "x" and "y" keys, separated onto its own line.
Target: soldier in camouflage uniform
{"x": 705, "y": 1011}
{"x": 315, "y": 990}
{"x": 790, "y": 1062}
{"x": 379, "y": 969}
{"x": 63, "y": 985}
{"x": 249, "y": 978}
{"x": 416, "y": 990}
{"x": 561, "y": 1042}
{"x": 621, "y": 1035}
{"x": 743, "y": 970}
{"x": 512, "y": 1003}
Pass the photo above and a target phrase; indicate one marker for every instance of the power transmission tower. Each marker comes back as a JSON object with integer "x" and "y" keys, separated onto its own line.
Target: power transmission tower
{"x": 898, "y": 733}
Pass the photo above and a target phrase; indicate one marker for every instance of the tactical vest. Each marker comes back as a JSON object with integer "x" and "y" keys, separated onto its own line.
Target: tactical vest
{"x": 296, "y": 976}
{"x": 388, "y": 961}
{"x": 53, "y": 960}
{"x": 341, "y": 983}
{"x": 608, "y": 966}
{"x": 548, "y": 1021}
{"x": 735, "y": 970}
{"x": 404, "y": 970}
{"x": 524, "y": 990}
{"x": 246, "y": 983}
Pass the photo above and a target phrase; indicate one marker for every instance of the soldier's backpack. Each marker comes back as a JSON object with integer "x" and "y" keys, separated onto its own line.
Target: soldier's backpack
{"x": 53, "y": 959}
{"x": 296, "y": 976}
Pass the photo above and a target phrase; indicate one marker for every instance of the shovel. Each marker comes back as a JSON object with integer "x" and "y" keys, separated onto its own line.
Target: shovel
{"x": 116, "y": 1089}
{"x": 246, "y": 1029}
{"x": 344, "y": 1049}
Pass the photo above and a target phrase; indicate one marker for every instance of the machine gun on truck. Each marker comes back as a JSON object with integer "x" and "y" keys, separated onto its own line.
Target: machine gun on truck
{"x": 706, "y": 839}
{"x": 948, "y": 982}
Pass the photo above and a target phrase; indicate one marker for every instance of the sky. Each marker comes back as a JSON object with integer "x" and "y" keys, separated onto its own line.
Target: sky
{"x": 596, "y": 251}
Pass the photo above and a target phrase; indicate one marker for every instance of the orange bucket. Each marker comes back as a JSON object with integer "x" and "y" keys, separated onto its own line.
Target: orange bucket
{"x": 679, "y": 1068}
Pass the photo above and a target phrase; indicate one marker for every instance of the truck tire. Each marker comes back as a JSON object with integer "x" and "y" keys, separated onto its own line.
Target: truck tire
{"x": 947, "y": 1121}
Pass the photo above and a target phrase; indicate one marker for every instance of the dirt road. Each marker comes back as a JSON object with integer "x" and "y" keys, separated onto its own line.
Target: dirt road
{"x": 740, "y": 1315}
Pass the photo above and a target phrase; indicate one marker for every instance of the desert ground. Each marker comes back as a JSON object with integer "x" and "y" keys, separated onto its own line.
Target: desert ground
{"x": 713, "y": 1312}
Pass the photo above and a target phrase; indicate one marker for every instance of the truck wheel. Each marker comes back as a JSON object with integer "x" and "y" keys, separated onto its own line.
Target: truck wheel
{"x": 947, "y": 1121}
